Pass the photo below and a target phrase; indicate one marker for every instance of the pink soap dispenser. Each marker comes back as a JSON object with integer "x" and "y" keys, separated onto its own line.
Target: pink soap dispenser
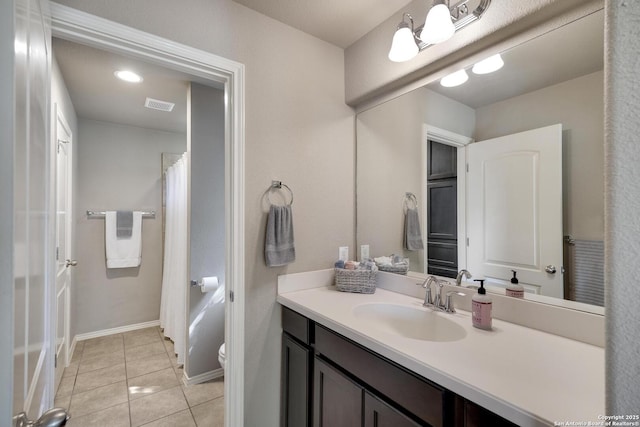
{"x": 481, "y": 308}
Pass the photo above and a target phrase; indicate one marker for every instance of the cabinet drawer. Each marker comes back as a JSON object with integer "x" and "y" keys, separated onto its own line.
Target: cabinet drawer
{"x": 297, "y": 325}
{"x": 418, "y": 396}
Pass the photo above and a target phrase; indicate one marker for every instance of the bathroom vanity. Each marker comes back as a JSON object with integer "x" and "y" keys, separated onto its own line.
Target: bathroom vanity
{"x": 384, "y": 360}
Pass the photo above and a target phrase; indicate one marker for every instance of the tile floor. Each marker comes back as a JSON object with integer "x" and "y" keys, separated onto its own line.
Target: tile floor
{"x": 132, "y": 379}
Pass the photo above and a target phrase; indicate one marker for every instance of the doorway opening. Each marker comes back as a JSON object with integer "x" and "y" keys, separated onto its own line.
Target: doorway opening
{"x": 210, "y": 70}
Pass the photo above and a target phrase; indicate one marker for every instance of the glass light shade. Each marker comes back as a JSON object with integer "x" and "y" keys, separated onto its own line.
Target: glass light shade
{"x": 128, "y": 76}
{"x": 403, "y": 46}
{"x": 454, "y": 79}
{"x": 488, "y": 65}
{"x": 438, "y": 26}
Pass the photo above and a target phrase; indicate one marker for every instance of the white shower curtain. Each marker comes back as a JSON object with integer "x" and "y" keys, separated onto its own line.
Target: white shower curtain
{"x": 174, "y": 277}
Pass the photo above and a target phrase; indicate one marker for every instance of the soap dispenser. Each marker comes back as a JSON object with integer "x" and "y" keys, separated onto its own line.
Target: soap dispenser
{"x": 481, "y": 308}
{"x": 515, "y": 289}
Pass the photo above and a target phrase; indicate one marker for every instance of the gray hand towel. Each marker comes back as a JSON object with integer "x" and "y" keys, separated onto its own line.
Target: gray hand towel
{"x": 412, "y": 234}
{"x": 278, "y": 246}
{"x": 124, "y": 223}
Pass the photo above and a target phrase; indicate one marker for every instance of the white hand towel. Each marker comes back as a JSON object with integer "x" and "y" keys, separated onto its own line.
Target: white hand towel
{"x": 123, "y": 252}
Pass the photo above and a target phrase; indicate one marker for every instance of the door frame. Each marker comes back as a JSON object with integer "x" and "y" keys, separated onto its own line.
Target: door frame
{"x": 446, "y": 137}
{"x": 80, "y": 27}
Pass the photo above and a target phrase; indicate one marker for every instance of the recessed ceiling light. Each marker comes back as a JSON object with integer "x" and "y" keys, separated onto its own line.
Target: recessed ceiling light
{"x": 488, "y": 65}
{"x": 454, "y": 79}
{"x": 128, "y": 76}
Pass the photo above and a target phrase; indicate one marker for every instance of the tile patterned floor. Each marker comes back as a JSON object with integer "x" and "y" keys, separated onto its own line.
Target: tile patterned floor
{"x": 132, "y": 379}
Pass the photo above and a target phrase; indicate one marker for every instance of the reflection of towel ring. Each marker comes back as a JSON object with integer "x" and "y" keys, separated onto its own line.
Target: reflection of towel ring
{"x": 277, "y": 185}
{"x": 409, "y": 198}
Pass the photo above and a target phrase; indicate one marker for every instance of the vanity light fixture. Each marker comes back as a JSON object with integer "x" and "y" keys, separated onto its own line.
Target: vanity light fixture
{"x": 128, "y": 76}
{"x": 441, "y": 23}
{"x": 454, "y": 79}
{"x": 488, "y": 65}
{"x": 403, "y": 46}
{"x": 438, "y": 27}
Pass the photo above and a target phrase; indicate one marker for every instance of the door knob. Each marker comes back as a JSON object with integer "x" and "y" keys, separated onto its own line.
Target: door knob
{"x": 551, "y": 269}
{"x": 70, "y": 263}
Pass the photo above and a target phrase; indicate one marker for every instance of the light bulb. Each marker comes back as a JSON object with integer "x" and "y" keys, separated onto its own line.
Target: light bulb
{"x": 455, "y": 79}
{"x": 438, "y": 26}
{"x": 488, "y": 65}
{"x": 128, "y": 76}
{"x": 403, "y": 46}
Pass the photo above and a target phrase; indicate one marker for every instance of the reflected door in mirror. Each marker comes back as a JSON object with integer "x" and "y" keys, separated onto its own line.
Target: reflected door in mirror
{"x": 515, "y": 208}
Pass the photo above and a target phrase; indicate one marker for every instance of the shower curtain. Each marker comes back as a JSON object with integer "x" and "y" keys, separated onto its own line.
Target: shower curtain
{"x": 174, "y": 275}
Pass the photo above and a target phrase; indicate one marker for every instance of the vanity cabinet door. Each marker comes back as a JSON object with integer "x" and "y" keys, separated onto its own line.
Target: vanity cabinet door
{"x": 337, "y": 400}
{"x": 378, "y": 414}
{"x": 477, "y": 416}
{"x": 296, "y": 387}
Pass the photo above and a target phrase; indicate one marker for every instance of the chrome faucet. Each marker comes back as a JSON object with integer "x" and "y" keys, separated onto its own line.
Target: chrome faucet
{"x": 436, "y": 302}
{"x": 460, "y": 274}
{"x": 427, "y": 285}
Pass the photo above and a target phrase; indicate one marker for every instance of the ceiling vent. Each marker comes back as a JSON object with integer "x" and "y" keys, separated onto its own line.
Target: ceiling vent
{"x": 156, "y": 104}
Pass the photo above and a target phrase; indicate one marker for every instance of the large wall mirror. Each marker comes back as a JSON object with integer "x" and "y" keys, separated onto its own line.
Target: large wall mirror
{"x": 424, "y": 142}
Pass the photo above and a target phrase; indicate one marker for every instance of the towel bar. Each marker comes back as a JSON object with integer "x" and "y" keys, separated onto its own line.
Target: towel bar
{"x": 101, "y": 214}
{"x": 277, "y": 185}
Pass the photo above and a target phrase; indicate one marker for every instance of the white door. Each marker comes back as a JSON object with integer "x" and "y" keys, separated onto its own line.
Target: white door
{"x": 64, "y": 262}
{"x": 514, "y": 209}
{"x": 31, "y": 263}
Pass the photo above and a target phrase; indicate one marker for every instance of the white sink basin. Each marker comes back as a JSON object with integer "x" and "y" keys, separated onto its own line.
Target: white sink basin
{"x": 410, "y": 322}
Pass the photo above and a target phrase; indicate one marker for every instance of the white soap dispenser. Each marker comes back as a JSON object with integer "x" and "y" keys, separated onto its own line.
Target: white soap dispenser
{"x": 481, "y": 308}
{"x": 514, "y": 289}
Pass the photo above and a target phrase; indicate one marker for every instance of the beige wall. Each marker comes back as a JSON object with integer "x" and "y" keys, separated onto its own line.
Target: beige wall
{"x": 390, "y": 162}
{"x": 578, "y": 105}
{"x": 298, "y": 130}
{"x": 119, "y": 168}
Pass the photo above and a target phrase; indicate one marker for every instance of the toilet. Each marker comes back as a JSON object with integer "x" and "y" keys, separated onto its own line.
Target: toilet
{"x": 221, "y": 356}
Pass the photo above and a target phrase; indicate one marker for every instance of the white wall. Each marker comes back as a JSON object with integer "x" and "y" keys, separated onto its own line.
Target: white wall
{"x": 119, "y": 168}
{"x": 578, "y": 105}
{"x": 390, "y": 162}
{"x": 206, "y": 227}
{"x": 298, "y": 130}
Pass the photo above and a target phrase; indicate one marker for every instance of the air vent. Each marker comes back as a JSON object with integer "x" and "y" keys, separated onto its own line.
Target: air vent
{"x": 156, "y": 104}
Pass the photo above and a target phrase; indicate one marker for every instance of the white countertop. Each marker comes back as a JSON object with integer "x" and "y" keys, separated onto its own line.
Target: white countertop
{"x": 529, "y": 377}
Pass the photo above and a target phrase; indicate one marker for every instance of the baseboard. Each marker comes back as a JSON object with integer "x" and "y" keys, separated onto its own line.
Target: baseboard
{"x": 70, "y": 351}
{"x": 197, "y": 379}
{"x": 113, "y": 331}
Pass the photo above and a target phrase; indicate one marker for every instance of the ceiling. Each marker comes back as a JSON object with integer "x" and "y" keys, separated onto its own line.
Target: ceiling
{"x": 97, "y": 94}
{"x": 340, "y": 22}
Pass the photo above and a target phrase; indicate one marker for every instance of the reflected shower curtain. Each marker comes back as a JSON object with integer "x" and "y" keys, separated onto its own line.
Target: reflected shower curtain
{"x": 174, "y": 275}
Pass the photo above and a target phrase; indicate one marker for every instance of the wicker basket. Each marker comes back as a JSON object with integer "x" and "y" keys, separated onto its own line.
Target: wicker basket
{"x": 360, "y": 281}
{"x": 397, "y": 269}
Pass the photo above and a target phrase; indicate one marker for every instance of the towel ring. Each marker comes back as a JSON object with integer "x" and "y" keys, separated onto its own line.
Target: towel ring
{"x": 277, "y": 185}
{"x": 409, "y": 198}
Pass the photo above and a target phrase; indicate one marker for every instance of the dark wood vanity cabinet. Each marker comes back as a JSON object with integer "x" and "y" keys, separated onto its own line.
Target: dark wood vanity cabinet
{"x": 296, "y": 372}
{"x": 331, "y": 381}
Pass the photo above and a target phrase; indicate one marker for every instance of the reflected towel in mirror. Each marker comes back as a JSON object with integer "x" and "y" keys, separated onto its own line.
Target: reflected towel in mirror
{"x": 412, "y": 233}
